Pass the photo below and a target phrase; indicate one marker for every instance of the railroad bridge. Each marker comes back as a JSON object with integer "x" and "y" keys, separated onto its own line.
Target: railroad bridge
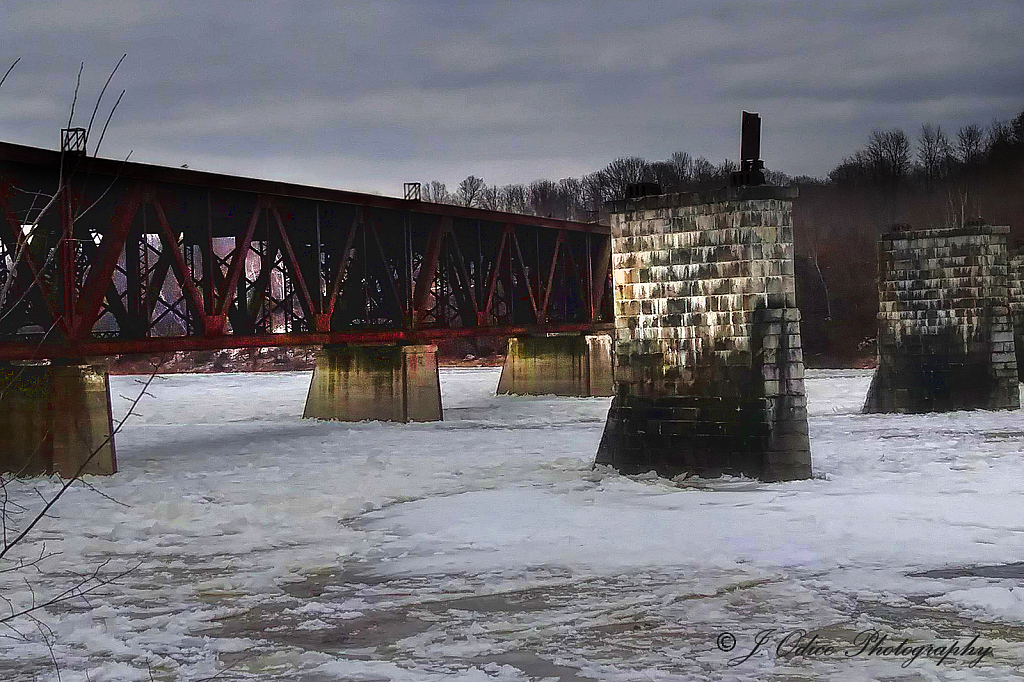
{"x": 105, "y": 257}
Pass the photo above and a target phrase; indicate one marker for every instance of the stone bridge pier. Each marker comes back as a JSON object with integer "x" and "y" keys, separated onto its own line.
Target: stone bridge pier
{"x": 56, "y": 418}
{"x": 707, "y": 353}
{"x": 945, "y": 336}
{"x": 558, "y": 364}
{"x": 1016, "y": 296}
{"x": 385, "y": 383}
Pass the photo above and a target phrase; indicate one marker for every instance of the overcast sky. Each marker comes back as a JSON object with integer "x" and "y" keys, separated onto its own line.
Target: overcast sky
{"x": 367, "y": 95}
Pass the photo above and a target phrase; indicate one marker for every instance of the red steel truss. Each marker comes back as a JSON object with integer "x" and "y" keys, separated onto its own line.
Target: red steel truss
{"x": 134, "y": 258}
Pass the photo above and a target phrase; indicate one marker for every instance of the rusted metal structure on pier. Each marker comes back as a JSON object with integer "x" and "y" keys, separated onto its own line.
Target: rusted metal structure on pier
{"x": 136, "y": 258}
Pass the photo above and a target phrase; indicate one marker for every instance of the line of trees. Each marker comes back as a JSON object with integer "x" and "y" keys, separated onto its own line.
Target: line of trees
{"x": 583, "y": 198}
{"x": 903, "y": 172}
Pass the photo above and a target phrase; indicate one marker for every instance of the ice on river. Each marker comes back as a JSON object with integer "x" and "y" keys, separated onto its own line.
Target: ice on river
{"x": 485, "y": 547}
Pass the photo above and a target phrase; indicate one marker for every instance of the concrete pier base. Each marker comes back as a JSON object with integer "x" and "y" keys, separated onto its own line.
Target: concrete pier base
{"x": 377, "y": 383}
{"x": 54, "y": 419}
{"x": 570, "y": 365}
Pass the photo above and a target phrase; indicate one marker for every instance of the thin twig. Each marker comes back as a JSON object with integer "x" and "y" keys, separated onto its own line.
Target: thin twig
{"x": 22, "y": 245}
{"x": 60, "y": 174}
{"x": 88, "y": 133}
{"x": 99, "y": 492}
{"x": 49, "y": 646}
{"x": 21, "y": 564}
{"x": 100, "y": 98}
{"x": 74, "y": 99}
{"x": 9, "y": 70}
{"x": 71, "y": 592}
{"x": 104, "y": 131}
{"x": 116, "y": 178}
{"x": 237, "y": 663}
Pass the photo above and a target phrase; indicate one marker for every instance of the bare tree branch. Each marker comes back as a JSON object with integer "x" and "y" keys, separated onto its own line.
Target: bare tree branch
{"x": 7, "y": 73}
{"x": 237, "y": 663}
{"x": 104, "y": 131}
{"x": 100, "y": 98}
{"x": 22, "y": 245}
{"x": 74, "y": 100}
{"x": 111, "y": 185}
{"x": 72, "y": 592}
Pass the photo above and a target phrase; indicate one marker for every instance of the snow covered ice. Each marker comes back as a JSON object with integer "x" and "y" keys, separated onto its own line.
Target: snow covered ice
{"x": 484, "y": 547}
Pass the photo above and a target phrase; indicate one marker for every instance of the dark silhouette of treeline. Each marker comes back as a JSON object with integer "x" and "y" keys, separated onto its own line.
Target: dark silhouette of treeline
{"x": 583, "y": 198}
{"x": 935, "y": 178}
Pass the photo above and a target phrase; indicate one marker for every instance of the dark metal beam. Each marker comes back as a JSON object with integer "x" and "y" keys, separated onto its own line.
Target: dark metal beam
{"x": 48, "y": 158}
{"x": 29, "y": 350}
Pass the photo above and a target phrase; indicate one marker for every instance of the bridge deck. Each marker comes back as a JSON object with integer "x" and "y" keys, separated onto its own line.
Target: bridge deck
{"x": 135, "y": 258}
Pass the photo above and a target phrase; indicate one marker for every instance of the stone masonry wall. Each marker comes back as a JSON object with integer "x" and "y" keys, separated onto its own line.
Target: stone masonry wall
{"x": 945, "y": 338}
{"x": 708, "y": 361}
{"x": 1016, "y": 297}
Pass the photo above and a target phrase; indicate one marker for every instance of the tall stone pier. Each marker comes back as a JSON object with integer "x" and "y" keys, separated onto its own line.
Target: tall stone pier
{"x": 945, "y": 337}
{"x": 56, "y": 419}
{"x": 385, "y": 383}
{"x": 565, "y": 365}
{"x": 708, "y": 360}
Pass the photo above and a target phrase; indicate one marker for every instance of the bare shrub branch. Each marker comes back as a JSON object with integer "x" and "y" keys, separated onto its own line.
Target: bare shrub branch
{"x": 8, "y": 72}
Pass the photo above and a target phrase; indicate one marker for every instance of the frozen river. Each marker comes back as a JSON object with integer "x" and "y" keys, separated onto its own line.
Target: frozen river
{"x": 485, "y": 548}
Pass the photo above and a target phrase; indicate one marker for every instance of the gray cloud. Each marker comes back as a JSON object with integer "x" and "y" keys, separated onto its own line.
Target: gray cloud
{"x": 366, "y": 95}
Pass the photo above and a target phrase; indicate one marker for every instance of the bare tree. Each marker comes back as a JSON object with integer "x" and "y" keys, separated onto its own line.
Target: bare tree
{"x": 595, "y": 192}
{"x": 774, "y": 177}
{"x": 960, "y": 206}
{"x": 490, "y": 198}
{"x": 889, "y": 154}
{"x": 17, "y": 522}
{"x": 929, "y": 153}
{"x": 625, "y": 171}
{"x": 571, "y": 194}
{"x": 724, "y": 169}
{"x": 513, "y": 198}
{"x": 436, "y": 192}
{"x": 947, "y": 155}
{"x": 1000, "y": 142}
{"x": 665, "y": 175}
{"x": 682, "y": 167}
{"x": 970, "y": 144}
{"x": 702, "y": 170}
{"x": 542, "y": 198}
{"x": 469, "y": 191}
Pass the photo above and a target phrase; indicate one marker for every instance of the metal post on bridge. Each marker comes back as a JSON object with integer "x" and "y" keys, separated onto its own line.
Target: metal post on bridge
{"x": 751, "y": 170}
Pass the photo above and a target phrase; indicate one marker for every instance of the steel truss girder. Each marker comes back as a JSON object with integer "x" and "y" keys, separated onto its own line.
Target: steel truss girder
{"x": 256, "y": 268}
